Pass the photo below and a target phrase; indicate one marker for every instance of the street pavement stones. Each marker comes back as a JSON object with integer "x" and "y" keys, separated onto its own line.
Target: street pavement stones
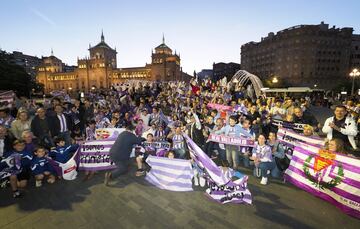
{"x": 133, "y": 203}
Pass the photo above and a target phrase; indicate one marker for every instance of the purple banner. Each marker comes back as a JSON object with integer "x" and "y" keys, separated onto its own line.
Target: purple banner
{"x": 221, "y": 187}
{"x": 237, "y": 141}
{"x": 94, "y": 155}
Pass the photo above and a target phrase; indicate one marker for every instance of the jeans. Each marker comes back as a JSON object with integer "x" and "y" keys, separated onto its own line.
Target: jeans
{"x": 122, "y": 168}
{"x": 232, "y": 155}
{"x": 276, "y": 172}
{"x": 246, "y": 160}
{"x": 265, "y": 167}
{"x": 209, "y": 148}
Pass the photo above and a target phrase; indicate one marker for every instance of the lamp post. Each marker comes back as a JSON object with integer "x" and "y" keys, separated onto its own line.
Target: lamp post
{"x": 274, "y": 80}
{"x": 355, "y": 72}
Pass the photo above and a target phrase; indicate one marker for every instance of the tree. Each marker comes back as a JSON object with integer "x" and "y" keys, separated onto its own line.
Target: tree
{"x": 14, "y": 77}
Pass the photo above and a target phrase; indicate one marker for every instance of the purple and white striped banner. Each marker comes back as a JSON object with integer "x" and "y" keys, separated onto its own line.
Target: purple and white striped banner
{"x": 335, "y": 179}
{"x": 94, "y": 155}
{"x": 221, "y": 187}
{"x": 170, "y": 174}
{"x": 290, "y": 139}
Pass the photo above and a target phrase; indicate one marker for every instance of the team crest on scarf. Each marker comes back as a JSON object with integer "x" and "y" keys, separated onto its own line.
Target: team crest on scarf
{"x": 322, "y": 164}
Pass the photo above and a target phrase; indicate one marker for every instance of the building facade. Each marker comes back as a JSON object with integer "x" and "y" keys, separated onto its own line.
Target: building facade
{"x": 304, "y": 55}
{"x": 221, "y": 70}
{"x": 100, "y": 69}
{"x": 355, "y": 52}
{"x": 205, "y": 74}
{"x": 30, "y": 63}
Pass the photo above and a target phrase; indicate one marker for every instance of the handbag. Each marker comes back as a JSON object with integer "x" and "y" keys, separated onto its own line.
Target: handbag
{"x": 282, "y": 163}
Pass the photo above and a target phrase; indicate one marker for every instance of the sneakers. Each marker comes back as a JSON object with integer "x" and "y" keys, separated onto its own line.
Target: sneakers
{"x": 202, "y": 181}
{"x": 107, "y": 178}
{"x": 16, "y": 194}
{"x": 51, "y": 180}
{"x": 264, "y": 181}
{"x": 196, "y": 180}
{"x": 140, "y": 172}
{"x": 38, "y": 183}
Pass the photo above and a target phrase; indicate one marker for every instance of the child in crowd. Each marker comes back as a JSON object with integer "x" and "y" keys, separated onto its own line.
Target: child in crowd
{"x": 139, "y": 129}
{"x": 245, "y": 150}
{"x": 233, "y": 130}
{"x": 20, "y": 161}
{"x": 160, "y": 134}
{"x": 178, "y": 142}
{"x": 262, "y": 156}
{"x": 170, "y": 154}
{"x": 41, "y": 167}
{"x": 90, "y": 131}
{"x": 141, "y": 156}
{"x": 62, "y": 153}
{"x": 199, "y": 178}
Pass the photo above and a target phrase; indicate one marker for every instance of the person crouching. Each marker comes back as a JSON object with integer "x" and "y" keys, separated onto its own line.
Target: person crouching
{"x": 41, "y": 168}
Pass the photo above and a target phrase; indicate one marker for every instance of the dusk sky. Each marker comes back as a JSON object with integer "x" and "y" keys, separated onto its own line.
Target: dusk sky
{"x": 202, "y": 31}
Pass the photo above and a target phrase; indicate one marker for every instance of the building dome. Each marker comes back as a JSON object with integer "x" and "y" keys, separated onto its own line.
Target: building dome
{"x": 163, "y": 48}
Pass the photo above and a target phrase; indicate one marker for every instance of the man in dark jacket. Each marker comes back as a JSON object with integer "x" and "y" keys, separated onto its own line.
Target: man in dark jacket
{"x": 196, "y": 130}
{"x": 304, "y": 118}
{"x": 6, "y": 141}
{"x": 61, "y": 124}
{"x": 40, "y": 126}
{"x": 120, "y": 152}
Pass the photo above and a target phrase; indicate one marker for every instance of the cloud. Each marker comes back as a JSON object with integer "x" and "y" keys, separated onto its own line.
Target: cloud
{"x": 43, "y": 17}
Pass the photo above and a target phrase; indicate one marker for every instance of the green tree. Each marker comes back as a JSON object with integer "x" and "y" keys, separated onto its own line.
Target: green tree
{"x": 14, "y": 77}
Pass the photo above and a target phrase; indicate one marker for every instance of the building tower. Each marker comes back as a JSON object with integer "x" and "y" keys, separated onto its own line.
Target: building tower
{"x": 165, "y": 65}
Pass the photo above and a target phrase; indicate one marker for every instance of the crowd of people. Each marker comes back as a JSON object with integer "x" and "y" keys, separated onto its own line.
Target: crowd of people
{"x": 32, "y": 132}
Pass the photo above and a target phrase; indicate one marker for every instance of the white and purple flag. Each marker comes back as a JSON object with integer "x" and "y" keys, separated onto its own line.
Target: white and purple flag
{"x": 331, "y": 176}
{"x": 170, "y": 174}
{"x": 290, "y": 139}
{"x": 221, "y": 186}
{"x": 94, "y": 155}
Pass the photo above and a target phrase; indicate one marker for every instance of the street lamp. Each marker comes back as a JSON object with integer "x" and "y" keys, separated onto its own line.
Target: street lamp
{"x": 355, "y": 72}
{"x": 275, "y": 80}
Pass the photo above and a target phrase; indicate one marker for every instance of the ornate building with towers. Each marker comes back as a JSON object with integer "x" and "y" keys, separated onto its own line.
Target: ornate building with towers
{"x": 100, "y": 70}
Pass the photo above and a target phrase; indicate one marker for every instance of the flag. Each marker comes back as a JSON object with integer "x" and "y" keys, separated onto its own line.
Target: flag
{"x": 290, "y": 139}
{"x": 95, "y": 155}
{"x": 221, "y": 186}
{"x": 331, "y": 176}
{"x": 170, "y": 174}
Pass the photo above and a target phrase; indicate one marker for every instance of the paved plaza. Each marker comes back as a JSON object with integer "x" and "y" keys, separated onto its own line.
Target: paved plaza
{"x": 132, "y": 203}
